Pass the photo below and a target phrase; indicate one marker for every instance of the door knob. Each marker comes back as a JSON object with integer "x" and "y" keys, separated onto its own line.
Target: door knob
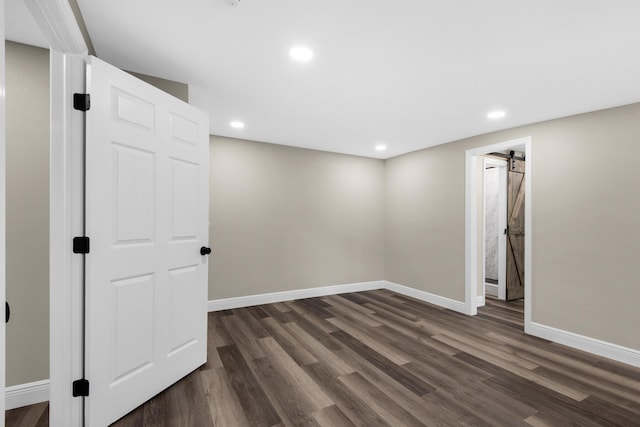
{"x": 205, "y": 250}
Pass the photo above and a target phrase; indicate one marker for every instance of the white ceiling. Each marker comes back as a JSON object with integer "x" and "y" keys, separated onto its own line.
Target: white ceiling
{"x": 406, "y": 73}
{"x": 21, "y": 27}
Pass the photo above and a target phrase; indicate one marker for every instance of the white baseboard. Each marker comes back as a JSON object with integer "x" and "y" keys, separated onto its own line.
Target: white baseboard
{"x": 248, "y": 301}
{"x": 590, "y": 345}
{"x": 426, "y": 296}
{"x": 26, "y": 394}
{"x": 251, "y": 300}
{"x": 480, "y": 302}
{"x": 491, "y": 289}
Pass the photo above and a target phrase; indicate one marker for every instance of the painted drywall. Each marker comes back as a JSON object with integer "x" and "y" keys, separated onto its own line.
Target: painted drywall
{"x": 27, "y": 220}
{"x": 586, "y": 238}
{"x": 83, "y": 27}
{"x": 177, "y": 89}
{"x": 424, "y": 221}
{"x": 284, "y": 218}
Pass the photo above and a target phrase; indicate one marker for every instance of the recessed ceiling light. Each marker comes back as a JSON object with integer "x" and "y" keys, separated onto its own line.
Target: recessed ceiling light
{"x": 236, "y": 124}
{"x": 496, "y": 115}
{"x": 381, "y": 147}
{"x": 301, "y": 53}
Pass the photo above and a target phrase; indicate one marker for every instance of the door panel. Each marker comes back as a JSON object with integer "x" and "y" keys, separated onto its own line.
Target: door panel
{"x": 133, "y": 325}
{"x": 184, "y": 322}
{"x": 515, "y": 230}
{"x": 132, "y": 110}
{"x": 184, "y": 201}
{"x": 147, "y": 216}
{"x": 134, "y": 188}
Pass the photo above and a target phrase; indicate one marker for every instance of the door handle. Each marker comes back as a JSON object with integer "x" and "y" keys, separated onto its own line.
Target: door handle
{"x": 7, "y": 313}
{"x": 205, "y": 250}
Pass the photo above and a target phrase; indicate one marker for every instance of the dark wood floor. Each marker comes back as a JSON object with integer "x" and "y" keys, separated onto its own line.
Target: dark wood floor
{"x": 381, "y": 359}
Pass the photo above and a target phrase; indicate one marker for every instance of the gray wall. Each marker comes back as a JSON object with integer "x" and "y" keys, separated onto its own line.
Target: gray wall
{"x": 83, "y": 27}
{"x": 286, "y": 218}
{"x": 586, "y": 205}
{"x": 177, "y": 89}
{"x": 27, "y": 221}
{"x": 424, "y": 228}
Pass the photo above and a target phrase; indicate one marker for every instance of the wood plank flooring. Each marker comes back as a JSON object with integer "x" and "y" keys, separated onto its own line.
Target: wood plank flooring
{"x": 28, "y": 416}
{"x": 382, "y": 359}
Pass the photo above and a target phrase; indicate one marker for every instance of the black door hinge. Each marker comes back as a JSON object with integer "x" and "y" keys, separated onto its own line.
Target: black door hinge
{"x": 81, "y": 101}
{"x": 81, "y": 388}
{"x": 80, "y": 245}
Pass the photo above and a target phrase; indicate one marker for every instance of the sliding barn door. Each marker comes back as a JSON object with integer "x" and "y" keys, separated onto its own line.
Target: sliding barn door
{"x": 147, "y": 201}
{"x": 515, "y": 229}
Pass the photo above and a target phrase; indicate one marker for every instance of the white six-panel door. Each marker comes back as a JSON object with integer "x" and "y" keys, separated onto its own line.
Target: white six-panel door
{"x": 147, "y": 204}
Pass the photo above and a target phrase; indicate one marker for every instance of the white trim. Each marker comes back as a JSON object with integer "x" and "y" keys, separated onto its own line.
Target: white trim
{"x": 426, "y": 296}
{"x": 248, "y": 301}
{"x": 480, "y": 301}
{"x": 270, "y": 298}
{"x": 581, "y": 342}
{"x": 483, "y": 226}
{"x": 528, "y": 237}
{"x": 58, "y": 23}
{"x": 66, "y": 211}
{"x": 491, "y": 289}
{"x": 502, "y": 224}
{"x": 471, "y": 224}
{"x": 21, "y": 395}
{"x": 68, "y": 50}
{"x": 470, "y": 235}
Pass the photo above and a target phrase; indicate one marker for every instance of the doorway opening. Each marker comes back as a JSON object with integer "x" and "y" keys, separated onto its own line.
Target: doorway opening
{"x": 503, "y": 227}
{"x": 511, "y": 237}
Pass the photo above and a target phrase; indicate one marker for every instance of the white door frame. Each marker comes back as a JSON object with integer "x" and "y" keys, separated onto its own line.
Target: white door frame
{"x": 3, "y": 127}
{"x": 501, "y": 164}
{"x": 68, "y": 52}
{"x": 66, "y": 222}
{"x": 472, "y": 255}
